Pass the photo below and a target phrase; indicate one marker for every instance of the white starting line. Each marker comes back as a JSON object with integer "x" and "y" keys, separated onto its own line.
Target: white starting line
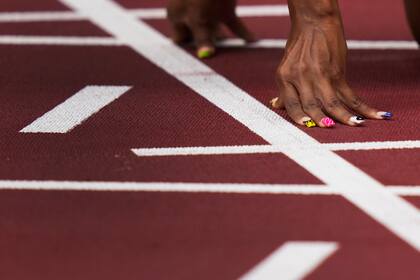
{"x": 267, "y": 149}
{"x": 229, "y": 43}
{"x": 291, "y": 189}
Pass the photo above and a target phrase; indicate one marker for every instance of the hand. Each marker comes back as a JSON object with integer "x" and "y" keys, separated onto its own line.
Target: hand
{"x": 200, "y": 20}
{"x": 311, "y": 75}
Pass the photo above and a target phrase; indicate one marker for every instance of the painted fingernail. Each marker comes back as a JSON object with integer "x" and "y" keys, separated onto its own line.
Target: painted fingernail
{"x": 273, "y": 103}
{"x": 205, "y": 52}
{"x": 328, "y": 122}
{"x": 310, "y": 123}
{"x": 357, "y": 119}
{"x": 385, "y": 115}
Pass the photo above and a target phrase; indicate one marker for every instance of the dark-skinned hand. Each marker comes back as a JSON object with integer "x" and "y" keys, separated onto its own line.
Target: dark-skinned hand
{"x": 311, "y": 76}
{"x": 199, "y": 21}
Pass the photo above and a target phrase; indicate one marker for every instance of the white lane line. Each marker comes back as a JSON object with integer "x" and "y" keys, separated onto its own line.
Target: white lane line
{"x": 293, "y": 261}
{"x": 242, "y": 11}
{"x": 262, "y": 10}
{"x": 150, "y": 13}
{"x": 393, "y": 212}
{"x": 376, "y": 145}
{"x": 351, "y": 44}
{"x": 40, "y": 16}
{"x": 167, "y": 187}
{"x": 58, "y": 40}
{"x": 109, "y": 41}
{"x": 404, "y": 190}
{"x": 264, "y": 149}
{"x": 293, "y": 189}
{"x": 76, "y": 109}
{"x": 217, "y": 150}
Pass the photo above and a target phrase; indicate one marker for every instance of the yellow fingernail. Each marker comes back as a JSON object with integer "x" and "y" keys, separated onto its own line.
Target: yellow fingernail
{"x": 310, "y": 123}
{"x": 204, "y": 53}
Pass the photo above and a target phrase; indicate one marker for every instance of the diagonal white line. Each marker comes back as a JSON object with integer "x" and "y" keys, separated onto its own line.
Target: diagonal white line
{"x": 393, "y": 212}
{"x": 261, "y": 149}
{"x": 76, "y": 109}
{"x": 351, "y": 44}
{"x": 58, "y": 40}
{"x": 293, "y": 261}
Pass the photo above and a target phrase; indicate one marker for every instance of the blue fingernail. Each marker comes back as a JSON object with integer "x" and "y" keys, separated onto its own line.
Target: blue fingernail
{"x": 385, "y": 115}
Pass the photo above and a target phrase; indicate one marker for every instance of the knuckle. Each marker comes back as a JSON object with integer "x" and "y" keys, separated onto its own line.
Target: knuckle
{"x": 356, "y": 102}
{"x": 328, "y": 71}
{"x": 292, "y": 104}
{"x": 336, "y": 74}
{"x": 310, "y": 106}
{"x": 283, "y": 73}
{"x": 332, "y": 104}
{"x": 301, "y": 69}
{"x": 293, "y": 72}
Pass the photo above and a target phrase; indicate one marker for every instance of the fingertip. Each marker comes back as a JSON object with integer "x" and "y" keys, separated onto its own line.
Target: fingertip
{"x": 273, "y": 103}
{"x": 384, "y": 115}
{"x": 205, "y": 52}
{"x": 327, "y": 122}
{"x": 308, "y": 122}
{"x": 356, "y": 121}
{"x": 276, "y": 103}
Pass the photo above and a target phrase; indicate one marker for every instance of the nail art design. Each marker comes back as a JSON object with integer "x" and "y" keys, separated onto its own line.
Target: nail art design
{"x": 385, "y": 115}
{"x": 205, "y": 52}
{"x": 273, "y": 103}
{"x": 357, "y": 119}
{"x": 328, "y": 122}
{"x": 310, "y": 123}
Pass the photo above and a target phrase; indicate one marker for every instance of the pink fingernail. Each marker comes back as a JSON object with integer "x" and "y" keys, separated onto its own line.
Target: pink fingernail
{"x": 328, "y": 122}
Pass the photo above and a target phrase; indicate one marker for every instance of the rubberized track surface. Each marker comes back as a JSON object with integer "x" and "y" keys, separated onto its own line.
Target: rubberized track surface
{"x": 98, "y": 201}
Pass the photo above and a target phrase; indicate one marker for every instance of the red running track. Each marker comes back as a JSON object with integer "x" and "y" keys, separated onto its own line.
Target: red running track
{"x": 168, "y": 235}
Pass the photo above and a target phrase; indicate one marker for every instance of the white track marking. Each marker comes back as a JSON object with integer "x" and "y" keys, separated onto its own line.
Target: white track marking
{"x": 263, "y": 149}
{"x": 109, "y": 41}
{"x": 351, "y": 44}
{"x": 404, "y": 190}
{"x": 393, "y": 212}
{"x": 39, "y": 16}
{"x": 151, "y": 13}
{"x": 377, "y": 145}
{"x": 217, "y": 150}
{"x": 242, "y": 11}
{"x": 58, "y": 40}
{"x": 168, "y": 187}
{"x": 293, "y": 189}
{"x": 292, "y": 261}
{"x": 76, "y": 109}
